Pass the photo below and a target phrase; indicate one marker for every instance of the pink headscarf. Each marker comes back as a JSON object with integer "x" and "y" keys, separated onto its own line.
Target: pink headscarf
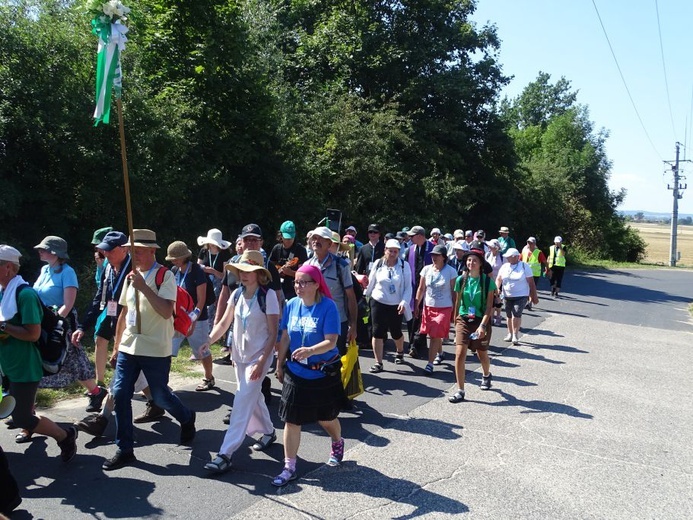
{"x": 316, "y": 275}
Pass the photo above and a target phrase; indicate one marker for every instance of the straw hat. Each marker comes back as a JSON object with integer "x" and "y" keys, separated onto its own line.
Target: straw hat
{"x": 214, "y": 237}
{"x": 143, "y": 238}
{"x": 250, "y": 261}
{"x": 177, "y": 250}
{"x": 54, "y": 245}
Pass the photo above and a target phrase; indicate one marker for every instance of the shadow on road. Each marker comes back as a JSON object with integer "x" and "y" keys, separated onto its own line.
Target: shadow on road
{"x": 535, "y": 406}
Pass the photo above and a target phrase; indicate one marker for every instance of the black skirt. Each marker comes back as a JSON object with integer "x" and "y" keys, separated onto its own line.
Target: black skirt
{"x": 306, "y": 401}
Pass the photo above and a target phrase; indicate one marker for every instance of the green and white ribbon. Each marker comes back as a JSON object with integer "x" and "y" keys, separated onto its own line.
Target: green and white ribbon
{"x": 112, "y": 38}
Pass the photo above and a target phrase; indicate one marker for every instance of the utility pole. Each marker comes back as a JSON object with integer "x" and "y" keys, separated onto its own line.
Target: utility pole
{"x": 677, "y": 188}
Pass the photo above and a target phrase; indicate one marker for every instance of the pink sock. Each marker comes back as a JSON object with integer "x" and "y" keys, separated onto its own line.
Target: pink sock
{"x": 290, "y": 463}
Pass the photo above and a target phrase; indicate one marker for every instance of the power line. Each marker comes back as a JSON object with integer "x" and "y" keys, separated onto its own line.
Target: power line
{"x": 613, "y": 54}
{"x": 664, "y": 68}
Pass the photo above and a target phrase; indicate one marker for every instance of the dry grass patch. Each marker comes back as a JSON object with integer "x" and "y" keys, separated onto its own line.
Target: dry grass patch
{"x": 657, "y": 237}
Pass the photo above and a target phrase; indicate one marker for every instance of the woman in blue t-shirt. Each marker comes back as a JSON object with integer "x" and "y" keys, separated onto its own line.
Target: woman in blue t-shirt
{"x": 57, "y": 287}
{"x": 308, "y": 365}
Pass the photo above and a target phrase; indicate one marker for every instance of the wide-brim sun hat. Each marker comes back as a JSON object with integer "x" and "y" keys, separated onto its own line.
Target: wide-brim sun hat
{"x": 143, "y": 238}
{"x": 214, "y": 237}
{"x": 477, "y": 249}
{"x": 177, "y": 250}
{"x": 504, "y": 229}
{"x": 439, "y": 250}
{"x": 54, "y": 245}
{"x": 322, "y": 232}
{"x": 250, "y": 261}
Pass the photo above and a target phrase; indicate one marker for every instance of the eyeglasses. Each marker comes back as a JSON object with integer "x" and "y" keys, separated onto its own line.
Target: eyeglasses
{"x": 302, "y": 283}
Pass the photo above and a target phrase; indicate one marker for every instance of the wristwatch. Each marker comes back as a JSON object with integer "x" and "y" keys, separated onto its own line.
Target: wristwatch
{"x": 3, "y": 325}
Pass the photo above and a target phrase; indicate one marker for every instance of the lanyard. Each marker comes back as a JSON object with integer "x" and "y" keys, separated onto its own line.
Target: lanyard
{"x": 244, "y": 318}
{"x": 114, "y": 288}
{"x": 302, "y": 321}
{"x": 152, "y": 269}
{"x": 471, "y": 294}
{"x": 178, "y": 279}
{"x": 322, "y": 264}
{"x": 212, "y": 262}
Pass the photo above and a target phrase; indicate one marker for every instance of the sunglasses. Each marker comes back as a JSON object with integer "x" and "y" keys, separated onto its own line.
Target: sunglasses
{"x": 302, "y": 283}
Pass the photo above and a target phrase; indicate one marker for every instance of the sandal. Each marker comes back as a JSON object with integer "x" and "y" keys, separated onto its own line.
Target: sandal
{"x": 399, "y": 358}
{"x": 220, "y": 464}
{"x": 286, "y": 476}
{"x": 429, "y": 368}
{"x": 457, "y": 397}
{"x": 265, "y": 441}
{"x": 375, "y": 369}
{"x": 206, "y": 384}
{"x": 22, "y": 437}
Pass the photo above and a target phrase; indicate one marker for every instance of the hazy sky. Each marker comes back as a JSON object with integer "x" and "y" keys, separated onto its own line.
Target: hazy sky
{"x": 564, "y": 38}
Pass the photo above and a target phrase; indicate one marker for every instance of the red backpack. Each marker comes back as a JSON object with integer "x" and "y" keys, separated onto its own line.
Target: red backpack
{"x": 184, "y": 305}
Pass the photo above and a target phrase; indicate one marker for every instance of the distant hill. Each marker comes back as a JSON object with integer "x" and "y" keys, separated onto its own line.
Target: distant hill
{"x": 651, "y": 215}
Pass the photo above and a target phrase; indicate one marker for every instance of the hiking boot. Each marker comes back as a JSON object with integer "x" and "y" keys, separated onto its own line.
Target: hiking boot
{"x": 151, "y": 413}
{"x": 68, "y": 446}
{"x": 94, "y": 424}
{"x": 187, "y": 430}
{"x": 120, "y": 460}
{"x": 485, "y": 382}
{"x": 96, "y": 400}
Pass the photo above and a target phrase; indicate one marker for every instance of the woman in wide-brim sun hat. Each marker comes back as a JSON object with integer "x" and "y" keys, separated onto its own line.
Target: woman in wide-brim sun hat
{"x": 255, "y": 333}
{"x": 214, "y": 253}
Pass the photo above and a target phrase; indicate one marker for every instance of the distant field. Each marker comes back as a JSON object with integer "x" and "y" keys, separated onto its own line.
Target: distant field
{"x": 657, "y": 238}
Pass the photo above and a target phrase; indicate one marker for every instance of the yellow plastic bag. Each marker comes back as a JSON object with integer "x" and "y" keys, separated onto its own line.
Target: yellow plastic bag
{"x": 351, "y": 372}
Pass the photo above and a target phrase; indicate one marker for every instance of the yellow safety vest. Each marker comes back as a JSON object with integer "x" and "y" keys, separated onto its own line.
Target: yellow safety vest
{"x": 533, "y": 260}
{"x": 559, "y": 256}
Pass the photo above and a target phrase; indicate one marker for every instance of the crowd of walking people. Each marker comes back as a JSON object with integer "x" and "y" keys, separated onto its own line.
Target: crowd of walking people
{"x": 296, "y": 306}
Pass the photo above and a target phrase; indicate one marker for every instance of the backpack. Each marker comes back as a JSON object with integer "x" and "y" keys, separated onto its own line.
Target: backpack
{"x": 261, "y": 297}
{"x": 210, "y": 297}
{"x": 358, "y": 289}
{"x": 53, "y": 342}
{"x": 184, "y": 305}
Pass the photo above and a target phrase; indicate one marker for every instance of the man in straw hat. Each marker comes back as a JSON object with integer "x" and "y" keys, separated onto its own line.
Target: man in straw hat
{"x": 505, "y": 240}
{"x": 20, "y": 328}
{"x": 144, "y": 338}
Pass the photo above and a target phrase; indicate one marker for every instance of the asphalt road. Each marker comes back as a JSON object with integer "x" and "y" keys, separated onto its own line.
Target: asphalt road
{"x": 169, "y": 481}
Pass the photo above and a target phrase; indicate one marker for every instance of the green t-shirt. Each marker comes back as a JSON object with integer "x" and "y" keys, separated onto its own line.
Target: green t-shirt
{"x": 472, "y": 295}
{"x": 21, "y": 360}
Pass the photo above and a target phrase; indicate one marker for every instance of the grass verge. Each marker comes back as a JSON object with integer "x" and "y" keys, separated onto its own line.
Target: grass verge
{"x": 181, "y": 366}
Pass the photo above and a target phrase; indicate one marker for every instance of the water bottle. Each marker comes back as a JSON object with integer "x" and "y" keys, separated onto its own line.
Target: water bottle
{"x": 474, "y": 335}
{"x": 194, "y": 314}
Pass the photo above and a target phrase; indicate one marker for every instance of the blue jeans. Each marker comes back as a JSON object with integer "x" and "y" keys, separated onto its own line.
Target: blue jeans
{"x": 156, "y": 370}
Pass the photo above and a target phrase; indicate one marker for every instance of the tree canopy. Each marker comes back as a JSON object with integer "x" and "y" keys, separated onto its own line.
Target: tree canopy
{"x": 242, "y": 111}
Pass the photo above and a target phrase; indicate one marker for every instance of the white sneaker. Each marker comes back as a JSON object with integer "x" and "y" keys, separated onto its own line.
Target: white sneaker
{"x": 516, "y": 339}
{"x": 509, "y": 337}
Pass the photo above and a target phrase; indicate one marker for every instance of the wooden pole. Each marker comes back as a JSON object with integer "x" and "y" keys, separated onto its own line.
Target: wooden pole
{"x": 128, "y": 202}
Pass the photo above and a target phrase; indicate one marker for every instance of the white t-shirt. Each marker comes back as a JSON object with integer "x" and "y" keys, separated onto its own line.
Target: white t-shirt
{"x": 514, "y": 279}
{"x": 438, "y": 291}
{"x": 156, "y": 335}
{"x": 250, "y": 330}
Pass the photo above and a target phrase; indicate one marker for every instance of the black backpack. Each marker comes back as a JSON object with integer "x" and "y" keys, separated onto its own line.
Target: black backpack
{"x": 54, "y": 340}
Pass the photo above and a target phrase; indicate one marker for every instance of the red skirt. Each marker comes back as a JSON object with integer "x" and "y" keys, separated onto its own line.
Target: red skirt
{"x": 435, "y": 322}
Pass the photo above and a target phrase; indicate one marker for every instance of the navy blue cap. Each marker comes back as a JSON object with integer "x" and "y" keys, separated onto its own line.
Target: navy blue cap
{"x": 112, "y": 240}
